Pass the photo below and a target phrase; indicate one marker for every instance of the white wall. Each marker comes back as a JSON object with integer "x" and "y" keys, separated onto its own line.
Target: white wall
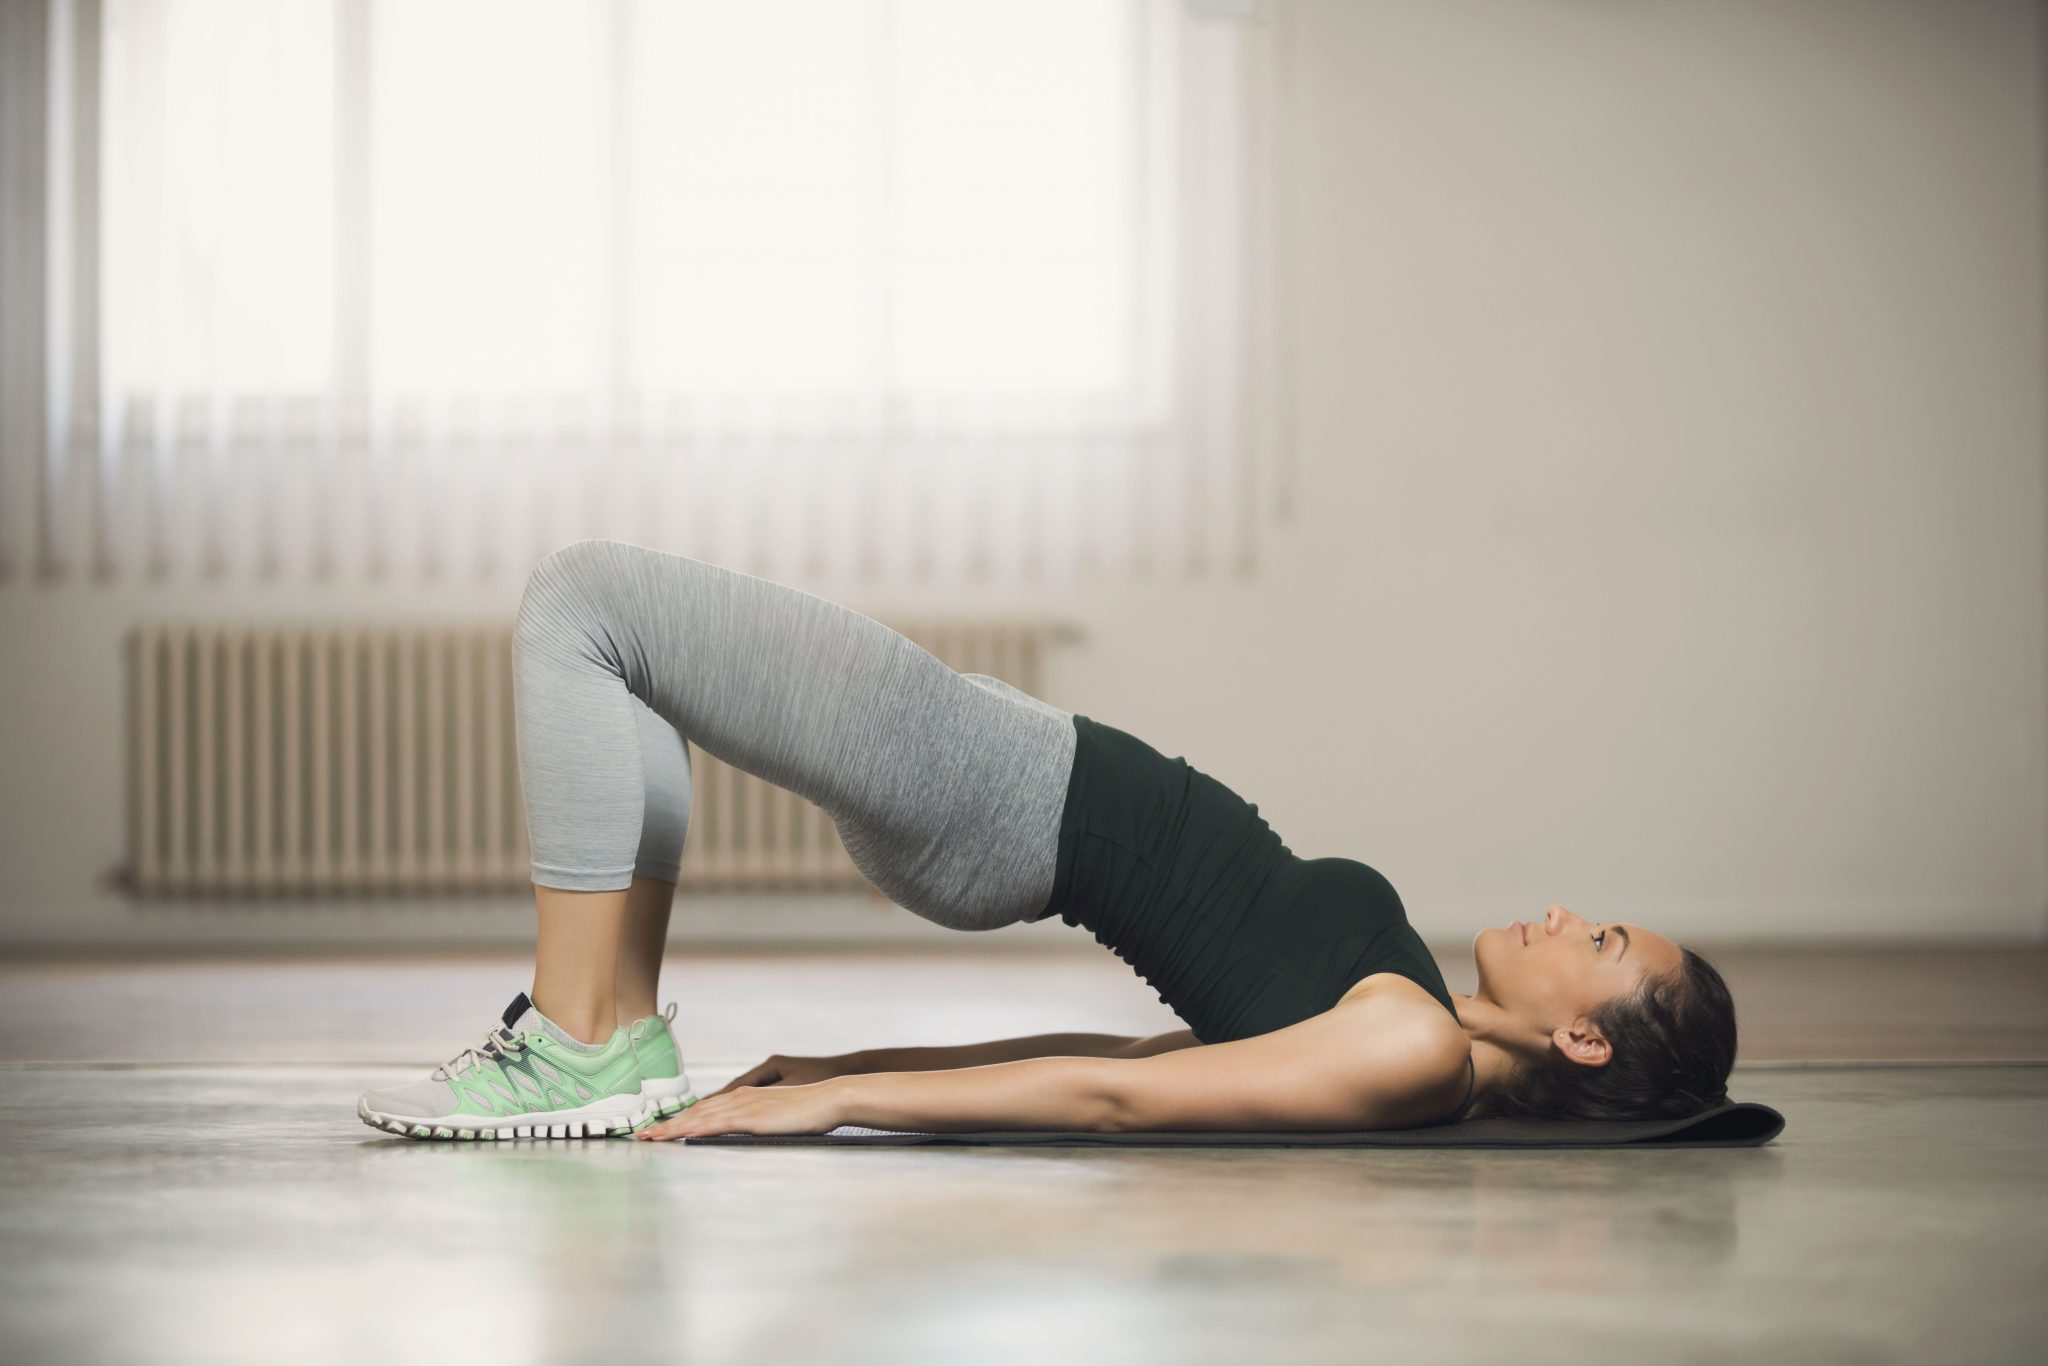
{"x": 1673, "y": 511}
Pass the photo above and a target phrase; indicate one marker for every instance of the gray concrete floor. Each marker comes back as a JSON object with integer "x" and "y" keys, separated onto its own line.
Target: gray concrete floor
{"x": 182, "y": 1178}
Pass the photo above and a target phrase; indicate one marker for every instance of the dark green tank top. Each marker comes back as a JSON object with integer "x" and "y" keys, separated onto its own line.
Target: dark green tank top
{"x": 1183, "y": 879}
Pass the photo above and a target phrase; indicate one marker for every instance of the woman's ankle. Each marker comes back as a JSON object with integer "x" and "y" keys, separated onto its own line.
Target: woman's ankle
{"x": 585, "y": 1022}
{"x": 627, "y": 1014}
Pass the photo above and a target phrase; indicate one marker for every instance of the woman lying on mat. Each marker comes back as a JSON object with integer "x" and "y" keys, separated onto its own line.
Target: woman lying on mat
{"x": 1311, "y": 1002}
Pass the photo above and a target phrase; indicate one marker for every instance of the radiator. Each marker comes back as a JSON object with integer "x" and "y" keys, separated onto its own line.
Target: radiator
{"x": 336, "y": 759}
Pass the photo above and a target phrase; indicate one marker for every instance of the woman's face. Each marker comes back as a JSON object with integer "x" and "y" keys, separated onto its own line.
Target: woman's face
{"x": 1553, "y": 971}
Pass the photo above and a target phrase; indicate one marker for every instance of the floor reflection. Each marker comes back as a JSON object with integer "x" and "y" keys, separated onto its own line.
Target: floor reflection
{"x": 231, "y": 1215}
{"x": 586, "y": 1229}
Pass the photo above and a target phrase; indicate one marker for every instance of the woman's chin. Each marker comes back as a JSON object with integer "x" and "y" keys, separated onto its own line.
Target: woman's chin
{"x": 1487, "y": 944}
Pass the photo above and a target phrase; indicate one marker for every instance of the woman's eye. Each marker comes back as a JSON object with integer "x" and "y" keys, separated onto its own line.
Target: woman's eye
{"x": 1600, "y": 941}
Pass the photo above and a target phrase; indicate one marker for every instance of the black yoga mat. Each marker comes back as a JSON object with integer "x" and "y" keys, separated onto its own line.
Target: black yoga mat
{"x": 1740, "y": 1124}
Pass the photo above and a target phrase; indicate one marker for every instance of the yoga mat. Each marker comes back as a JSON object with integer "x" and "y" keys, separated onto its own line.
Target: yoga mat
{"x": 1740, "y": 1124}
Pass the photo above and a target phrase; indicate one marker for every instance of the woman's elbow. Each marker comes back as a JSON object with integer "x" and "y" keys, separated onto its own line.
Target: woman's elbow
{"x": 1151, "y": 1103}
{"x": 1115, "y": 1114}
{"x": 1113, "y": 1105}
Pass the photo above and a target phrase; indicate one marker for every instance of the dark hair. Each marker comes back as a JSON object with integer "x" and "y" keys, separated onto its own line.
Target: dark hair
{"x": 1674, "y": 1043}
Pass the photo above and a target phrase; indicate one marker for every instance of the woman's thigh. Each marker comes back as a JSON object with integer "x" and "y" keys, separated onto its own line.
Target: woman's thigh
{"x": 946, "y": 791}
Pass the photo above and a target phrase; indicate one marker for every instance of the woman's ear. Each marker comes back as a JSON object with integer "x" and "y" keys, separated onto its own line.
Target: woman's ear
{"x": 1583, "y": 1043}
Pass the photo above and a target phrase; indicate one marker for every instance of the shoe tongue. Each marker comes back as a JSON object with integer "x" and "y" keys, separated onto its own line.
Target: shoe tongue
{"x": 523, "y": 1017}
{"x": 515, "y": 1017}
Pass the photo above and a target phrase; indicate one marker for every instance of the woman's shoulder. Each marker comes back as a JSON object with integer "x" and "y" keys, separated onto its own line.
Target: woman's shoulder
{"x": 1385, "y": 1000}
{"x": 1434, "y": 1050}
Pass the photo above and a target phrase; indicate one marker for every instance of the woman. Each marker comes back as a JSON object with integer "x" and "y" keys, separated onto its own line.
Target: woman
{"x": 1310, "y": 1001}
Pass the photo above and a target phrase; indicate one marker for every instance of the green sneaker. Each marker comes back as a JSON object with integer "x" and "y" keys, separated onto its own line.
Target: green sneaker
{"x": 664, "y": 1085}
{"x": 528, "y": 1079}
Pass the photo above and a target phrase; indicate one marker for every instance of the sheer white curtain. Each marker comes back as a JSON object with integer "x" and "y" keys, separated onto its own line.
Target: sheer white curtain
{"x": 824, "y": 289}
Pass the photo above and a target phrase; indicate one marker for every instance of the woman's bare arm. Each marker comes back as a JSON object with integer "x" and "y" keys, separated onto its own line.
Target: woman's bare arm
{"x": 1011, "y": 1050}
{"x": 1328, "y": 1073}
{"x": 785, "y": 1071}
{"x": 1063, "y": 1092}
{"x": 1352, "y": 1067}
{"x": 1365, "y": 1064}
{"x": 1375, "y": 1061}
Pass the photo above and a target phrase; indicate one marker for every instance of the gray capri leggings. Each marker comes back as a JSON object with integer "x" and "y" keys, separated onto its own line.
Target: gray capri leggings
{"x": 946, "y": 788}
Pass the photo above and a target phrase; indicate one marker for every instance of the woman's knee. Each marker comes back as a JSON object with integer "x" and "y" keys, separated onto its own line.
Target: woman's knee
{"x": 561, "y": 578}
{"x": 573, "y": 563}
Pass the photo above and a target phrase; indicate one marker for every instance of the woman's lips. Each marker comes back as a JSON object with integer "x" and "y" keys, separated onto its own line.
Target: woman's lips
{"x": 1522, "y": 928}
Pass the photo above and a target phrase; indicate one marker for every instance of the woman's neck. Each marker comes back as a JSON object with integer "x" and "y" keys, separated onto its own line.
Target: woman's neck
{"x": 1498, "y": 1040}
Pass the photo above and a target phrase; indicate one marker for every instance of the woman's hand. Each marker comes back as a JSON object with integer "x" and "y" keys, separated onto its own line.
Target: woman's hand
{"x": 810, "y": 1108}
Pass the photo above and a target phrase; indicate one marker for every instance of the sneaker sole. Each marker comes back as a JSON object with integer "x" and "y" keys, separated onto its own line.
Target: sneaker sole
{"x": 613, "y": 1117}
{"x": 661, "y": 1097}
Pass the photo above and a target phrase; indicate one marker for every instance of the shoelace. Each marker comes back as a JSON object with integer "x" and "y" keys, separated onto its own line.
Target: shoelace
{"x": 499, "y": 1043}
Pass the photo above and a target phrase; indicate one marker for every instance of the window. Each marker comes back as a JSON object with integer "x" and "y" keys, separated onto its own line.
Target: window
{"x": 846, "y": 288}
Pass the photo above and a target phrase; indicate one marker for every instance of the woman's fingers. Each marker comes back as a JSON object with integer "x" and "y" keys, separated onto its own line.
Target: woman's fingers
{"x": 676, "y": 1125}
